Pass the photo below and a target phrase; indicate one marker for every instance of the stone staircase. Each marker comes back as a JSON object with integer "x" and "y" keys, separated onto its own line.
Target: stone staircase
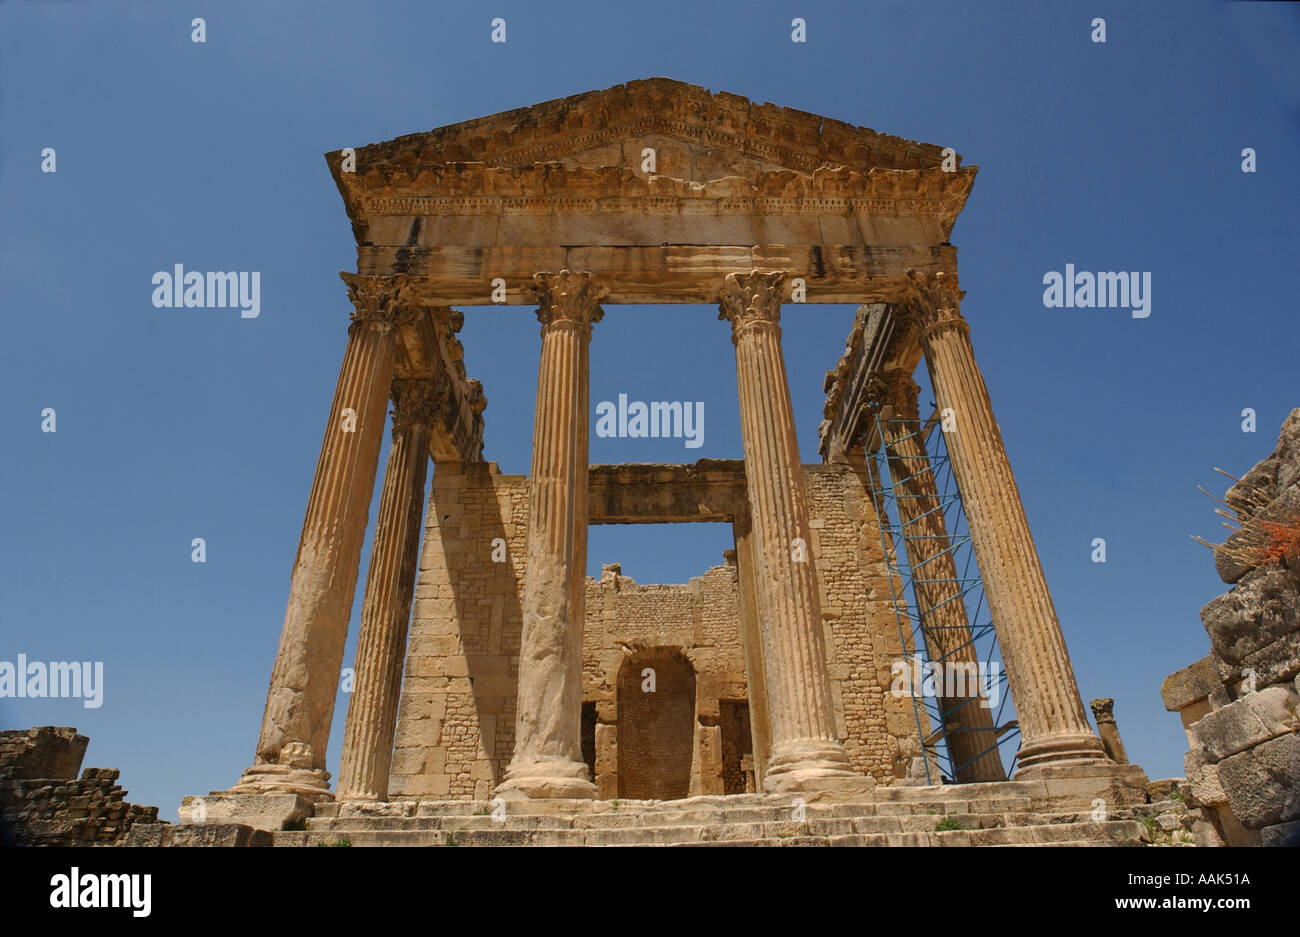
{"x": 1003, "y": 814}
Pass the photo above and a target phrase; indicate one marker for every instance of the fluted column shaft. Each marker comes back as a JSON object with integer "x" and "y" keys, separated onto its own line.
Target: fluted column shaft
{"x": 386, "y": 608}
{"x": 751, "y": 642}
{"x": 1054, "y": 729}
{"x": 805, "y": 750}
{"x": 968, "y": 723}
{"x": 547, "y": 759}
{"x": 304, "y": 680}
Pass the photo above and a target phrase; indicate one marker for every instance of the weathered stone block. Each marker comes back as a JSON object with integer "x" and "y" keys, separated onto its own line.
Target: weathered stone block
{"x": 207, "y": 834}
{"x": 42, "y": 752}
{"x": 1202, "y": 787}
{"x": 1263, "y": 783}
{"x": 1263, "y": 607}
{"x": 1184, "y": 687}
{"x": 259, "y": 811}
{"x": 1255, "y": 718}
{"x": 1281, "y": 834}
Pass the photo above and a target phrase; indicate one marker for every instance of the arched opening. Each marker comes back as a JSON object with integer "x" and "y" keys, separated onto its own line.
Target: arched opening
{"x": 656, "y": 724}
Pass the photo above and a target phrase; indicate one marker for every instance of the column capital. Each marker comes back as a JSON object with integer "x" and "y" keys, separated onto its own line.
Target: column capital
{"x": 895, "y": 389}
{"x": 933, "y": 303}
{"x": 386, "y": 301}
{"x": 1103, "y": 709}
{"x": 416, "y": 401}
{"x": 569, "y": 299}
{"x": 751, "y": 300}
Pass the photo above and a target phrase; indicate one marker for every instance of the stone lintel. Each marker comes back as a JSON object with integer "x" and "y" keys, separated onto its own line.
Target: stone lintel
{"x": 653, "y": 493}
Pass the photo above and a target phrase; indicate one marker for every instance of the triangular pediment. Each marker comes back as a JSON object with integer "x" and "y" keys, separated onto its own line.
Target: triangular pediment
{"x": 697, "y": 136}
{"x": 734, "y": 185}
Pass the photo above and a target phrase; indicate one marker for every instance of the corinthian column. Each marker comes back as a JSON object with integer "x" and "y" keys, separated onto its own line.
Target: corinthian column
{"x": 805, "y": 751}
{"x": 1053, "y": 727}
{"x": 386, "y": 608}
{"x": 547, "y": 760}
{"x": 304, "y": 681}
{"x": 967, "y": 720}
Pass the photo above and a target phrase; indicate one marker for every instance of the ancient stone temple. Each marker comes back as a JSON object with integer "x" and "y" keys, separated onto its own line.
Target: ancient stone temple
{"x": 488, "y": 664}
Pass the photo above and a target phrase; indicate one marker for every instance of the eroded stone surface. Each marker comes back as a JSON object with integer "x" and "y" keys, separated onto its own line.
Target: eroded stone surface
{"x": 1239, "y": 703}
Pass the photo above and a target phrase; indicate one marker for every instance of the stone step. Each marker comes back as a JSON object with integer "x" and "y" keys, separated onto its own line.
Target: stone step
{"x": 665, "y": 814}
{"x": 947, "y": 799}
{"x": 861, "y": 831}
{"x": 781, "y": 821}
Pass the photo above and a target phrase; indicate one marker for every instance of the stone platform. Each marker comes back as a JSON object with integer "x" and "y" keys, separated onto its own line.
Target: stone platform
{"x": 1013, "y": 813}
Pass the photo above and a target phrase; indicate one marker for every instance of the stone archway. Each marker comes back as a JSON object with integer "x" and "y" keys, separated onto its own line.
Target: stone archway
{"x": 656, "y": 729}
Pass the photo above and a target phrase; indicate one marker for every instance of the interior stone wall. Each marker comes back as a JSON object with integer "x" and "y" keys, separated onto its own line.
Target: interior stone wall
{"x": 455, "y": 729}
{"x": 455, "y": 721}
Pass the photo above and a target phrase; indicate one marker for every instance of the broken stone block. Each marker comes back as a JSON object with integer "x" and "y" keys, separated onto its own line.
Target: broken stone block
{"x": 1251, "y": 720}
{"x": 1264, "y": 606}
{"x": 1281, "y": 834}
{"x": 1263, "y": 783}
{"x": 53, "y": 752}
{"x": 269, "y": 812}
{"x": 208, "y": 834}
{"x": 1274, "y": 663}
{"x": 1202, "y": 787}
{"x": 1287, "y": 452}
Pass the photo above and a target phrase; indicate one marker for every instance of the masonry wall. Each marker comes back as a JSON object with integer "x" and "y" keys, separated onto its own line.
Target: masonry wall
{"x": 1240, "y": 704}
{"x": 862, "y": 634}
{"x": 455, "y": 730}
{"x": 44, "y": 803}
{"x": 455, "y": 722}
{"x": 631, "y": 627}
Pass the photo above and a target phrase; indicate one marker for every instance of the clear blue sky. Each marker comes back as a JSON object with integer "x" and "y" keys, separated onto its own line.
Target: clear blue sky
{"x": 176, "y": 424}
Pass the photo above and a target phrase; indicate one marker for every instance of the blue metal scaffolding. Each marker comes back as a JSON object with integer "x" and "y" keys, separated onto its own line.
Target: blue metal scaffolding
{"x": 928, "y": 706}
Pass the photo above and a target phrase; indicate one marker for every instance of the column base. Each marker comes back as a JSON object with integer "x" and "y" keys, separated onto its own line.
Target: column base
{"x": 353, "y": 797}
{"x": 1059, "y": 750}
{"x": 311, "y": 783}
{"x": 556, "y": 778}
{"x": 811, "y": 765}
{"x": 1090, "y": 786}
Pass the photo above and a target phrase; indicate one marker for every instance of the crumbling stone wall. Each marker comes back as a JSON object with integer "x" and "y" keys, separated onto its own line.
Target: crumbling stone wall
{"x": 1240, "y": 704}
{"x": 630, "y": 627}
{"x": 455, "y": 729}
{"x": 42, "y": 802}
